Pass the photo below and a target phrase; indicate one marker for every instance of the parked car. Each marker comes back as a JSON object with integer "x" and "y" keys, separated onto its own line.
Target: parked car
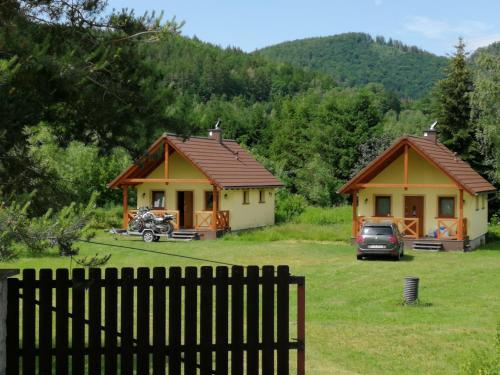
{"x": 380, "y": 239}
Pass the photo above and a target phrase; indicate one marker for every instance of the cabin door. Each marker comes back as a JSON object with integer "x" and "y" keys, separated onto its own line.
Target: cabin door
{"x": 185, "y": 207}
{"x": 414, "y": 208}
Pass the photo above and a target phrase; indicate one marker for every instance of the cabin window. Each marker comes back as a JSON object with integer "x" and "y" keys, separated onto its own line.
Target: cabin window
{"x": 158, "y": 199}
{"x": 484, "y": 201}
{"x": 382, "y": 205}
{"x": 446, "y": 206}
{"x": 477, "y": 202}
{"x": 262, "y": 196}
{"x": 209, "y": 200}
{"x": 246, "y": 197}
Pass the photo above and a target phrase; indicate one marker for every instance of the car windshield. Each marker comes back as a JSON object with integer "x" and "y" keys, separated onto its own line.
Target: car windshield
{"x": 377, "y": 231}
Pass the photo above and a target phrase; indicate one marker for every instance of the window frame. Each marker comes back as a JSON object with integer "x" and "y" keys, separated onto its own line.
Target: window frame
{"x": 246, "y": 197}
{"x": 439, "y": 213}
{"x": 153, "y": 192}
{"x": 207, "y": 193}
{"x": 262, "y": 196}
{"x": 375, "y": 199}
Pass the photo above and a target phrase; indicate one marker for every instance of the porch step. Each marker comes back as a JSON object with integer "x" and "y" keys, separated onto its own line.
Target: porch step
{"x": 429, "y": 246}
{"x": 185, "y": 235}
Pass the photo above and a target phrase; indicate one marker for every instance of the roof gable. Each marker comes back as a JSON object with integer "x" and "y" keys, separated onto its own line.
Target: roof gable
{"x": 225, "y": 164}
{"x": 435, "y": 154}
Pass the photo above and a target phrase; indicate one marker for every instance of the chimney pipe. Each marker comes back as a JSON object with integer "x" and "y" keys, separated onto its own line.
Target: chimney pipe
{"x": 431, "y": 133}
{"x": 216, "y": 132}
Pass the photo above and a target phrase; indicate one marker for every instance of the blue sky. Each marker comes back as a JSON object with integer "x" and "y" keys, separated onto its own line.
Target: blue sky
{"x": 432, "y": 25}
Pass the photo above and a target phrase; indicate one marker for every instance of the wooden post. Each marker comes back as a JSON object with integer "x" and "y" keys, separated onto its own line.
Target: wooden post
{"x": 167, "y": 152}
{"x": 460, "y": 234}
{"x": 406, "y": 168}
{"x": 214, "y": 207}
{"x": 301, "y": 327}
{"x": 125, "y": 206}
{"x": 354, "y": 213}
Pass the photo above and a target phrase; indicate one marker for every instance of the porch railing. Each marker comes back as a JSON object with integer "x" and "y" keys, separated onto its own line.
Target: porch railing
{"x": 159, "y": 212}
{"x": 408, "y": 226}
{"x": 203, "y": 219}
{"x": 447, "y": 228}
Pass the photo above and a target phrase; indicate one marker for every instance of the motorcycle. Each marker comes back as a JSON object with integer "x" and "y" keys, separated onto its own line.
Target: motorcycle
{"x": 150, "y": 225}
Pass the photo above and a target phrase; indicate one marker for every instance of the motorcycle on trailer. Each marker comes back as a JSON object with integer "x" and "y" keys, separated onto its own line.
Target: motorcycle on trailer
{"x": 151, "y": 227}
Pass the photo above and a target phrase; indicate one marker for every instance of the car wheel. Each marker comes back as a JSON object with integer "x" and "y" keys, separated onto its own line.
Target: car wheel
{"x": 359, "y": 257}
{"x": 397, "y": 257}
{"x": 156, "y": 239}
{"x": 148, "y": 236}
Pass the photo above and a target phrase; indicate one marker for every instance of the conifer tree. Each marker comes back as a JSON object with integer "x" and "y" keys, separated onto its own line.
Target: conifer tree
{"x": 453, "y": 109}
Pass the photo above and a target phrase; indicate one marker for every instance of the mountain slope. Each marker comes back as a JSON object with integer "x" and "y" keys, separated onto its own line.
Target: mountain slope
{"x": 355, "y": 59}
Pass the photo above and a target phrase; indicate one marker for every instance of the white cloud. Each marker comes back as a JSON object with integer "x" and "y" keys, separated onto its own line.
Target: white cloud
{"x": 476, "y": 34}
{"x": 482, "y": 41}
{"x": 438, "y": 29}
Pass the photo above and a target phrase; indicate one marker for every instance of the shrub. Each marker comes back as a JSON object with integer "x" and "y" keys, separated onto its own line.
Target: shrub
{"x": 109, "y": 216}
{"x": 289, "y": 206}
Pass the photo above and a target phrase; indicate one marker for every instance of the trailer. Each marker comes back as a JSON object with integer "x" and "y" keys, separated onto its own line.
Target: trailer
{"x": 147, "y": 234}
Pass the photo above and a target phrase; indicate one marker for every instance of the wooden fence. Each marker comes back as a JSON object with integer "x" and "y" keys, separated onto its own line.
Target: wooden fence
{"x": 229, "y": 323}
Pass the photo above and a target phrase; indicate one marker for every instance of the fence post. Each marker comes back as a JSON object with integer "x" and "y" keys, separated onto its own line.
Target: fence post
{"x": 4, "y": 274}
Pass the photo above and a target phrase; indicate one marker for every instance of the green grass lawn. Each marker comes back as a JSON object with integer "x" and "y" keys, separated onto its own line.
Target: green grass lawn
{"x": 355, "y": 323}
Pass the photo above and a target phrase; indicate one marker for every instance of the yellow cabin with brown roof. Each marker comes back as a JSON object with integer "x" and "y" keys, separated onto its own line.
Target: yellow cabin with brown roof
{"x": 209, "y": 184}
{"x": 437, "y": 200}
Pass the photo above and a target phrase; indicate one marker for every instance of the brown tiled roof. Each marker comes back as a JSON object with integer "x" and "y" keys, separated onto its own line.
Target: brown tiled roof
{"x": 225, "y": 164}
{"x": 435, "y": 153}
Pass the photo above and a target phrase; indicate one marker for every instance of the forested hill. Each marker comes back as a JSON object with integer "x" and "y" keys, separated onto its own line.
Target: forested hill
{"x": 493, "y": 49}
{"x": 355, "y": 59}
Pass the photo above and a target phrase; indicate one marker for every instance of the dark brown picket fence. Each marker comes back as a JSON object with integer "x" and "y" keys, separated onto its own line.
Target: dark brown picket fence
{"x": 229, "y": 323}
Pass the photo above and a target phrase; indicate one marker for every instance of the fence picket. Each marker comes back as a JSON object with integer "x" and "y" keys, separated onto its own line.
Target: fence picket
{"x": 94, "y": 366}
{"x": 143, "y": 321}
{"x": 174, "y": 321}
{"x": 127, "y": 322}
{"x": 283, "y": 319}
{"x": 221, "y": 319}
{"x": 268, "y": 320}
{"x": 237, "y": 320}
{"x": 62, "y": 321}
{"x": 206, "y": 316}
{"x": 13, "y": 326}
{"x": 111, "y": 321}
{"x": 78, "y": 322}
{"x": 45, "y": 322}
{"x": 253, "y": 309}
{"x": 29, "y": 327}
{"x": 190, "y": 321}
{"x": 159, "y": 321}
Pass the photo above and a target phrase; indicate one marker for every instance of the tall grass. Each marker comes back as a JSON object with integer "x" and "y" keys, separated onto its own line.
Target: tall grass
{"x": 314, "y": 224}
{"x": 325, "y": 216}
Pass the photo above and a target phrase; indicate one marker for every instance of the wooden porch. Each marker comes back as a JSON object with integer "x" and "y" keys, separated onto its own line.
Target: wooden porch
{"x": 447, "y": 229}
{"x": 203, "y": 220}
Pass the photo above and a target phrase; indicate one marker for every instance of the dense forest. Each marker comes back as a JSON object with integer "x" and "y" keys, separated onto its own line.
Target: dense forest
{"x": 354, "y": 59}
{"x": 84, "y": 91}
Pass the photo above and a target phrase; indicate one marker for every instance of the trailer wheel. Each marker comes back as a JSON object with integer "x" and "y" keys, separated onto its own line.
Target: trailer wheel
{"x": 148, "y": 236}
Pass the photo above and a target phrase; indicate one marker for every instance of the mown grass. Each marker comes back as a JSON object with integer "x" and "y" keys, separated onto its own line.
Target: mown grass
{"x": 356, "y": 323}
